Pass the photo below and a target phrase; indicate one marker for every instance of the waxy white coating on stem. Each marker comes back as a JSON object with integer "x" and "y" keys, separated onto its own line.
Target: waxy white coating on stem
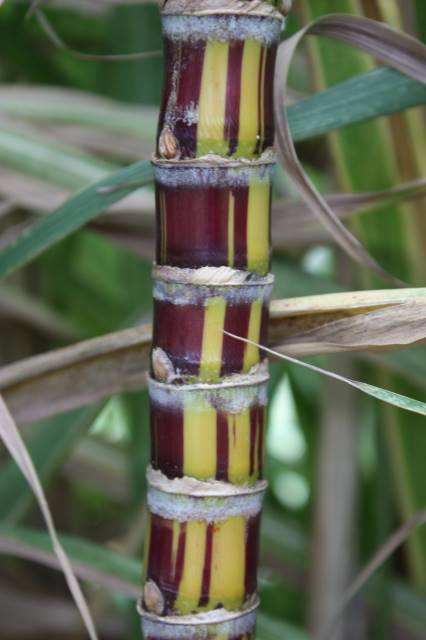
{"x": 222, "y": 174}
{"x": 201, "y": 626}
{"x": 184, "y": 294}
{"x": 185, "y": 499}
{"x": 222, "y": 28}
{"x": 230, "y": 397}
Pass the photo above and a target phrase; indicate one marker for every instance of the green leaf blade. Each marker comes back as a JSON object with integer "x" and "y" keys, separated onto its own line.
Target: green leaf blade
{"x": 377, "y": 93}
{"x": 73, "y": 215}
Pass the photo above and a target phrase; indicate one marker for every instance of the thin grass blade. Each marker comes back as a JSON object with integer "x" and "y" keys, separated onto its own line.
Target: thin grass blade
{"x": 395, "y": 399}
{"x": 74, "y": 214}
{"x": 14, "y": 443}
{"x": 376, "y": 39}
{"x": 86, "y": 372}
{"x": 379, "y": 92}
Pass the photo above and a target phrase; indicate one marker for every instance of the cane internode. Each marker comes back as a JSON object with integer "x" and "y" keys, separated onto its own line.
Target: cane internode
{"x": 202, "y": 544}
{"x": 214, "y": 213}
{"x": 210, "y": 432}
{"x": 218, "y": 84}
{"x": 213, "y": 174}
{"x": 191, "y": 315}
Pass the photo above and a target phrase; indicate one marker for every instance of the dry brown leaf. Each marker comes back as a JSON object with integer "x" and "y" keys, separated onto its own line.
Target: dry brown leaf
{"x": 394, "y": 48}
{"x": 68, "y": 378}
{"x": 346, "y": 204}
{"x": 400, "y": 326}
{"x": 347, "y": 302}
{"x": 350, "y": 321}
{"x": 84, "y": 373}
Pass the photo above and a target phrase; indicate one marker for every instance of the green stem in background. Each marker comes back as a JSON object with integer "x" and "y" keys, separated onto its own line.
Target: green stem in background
{"x": 371, "y": 156}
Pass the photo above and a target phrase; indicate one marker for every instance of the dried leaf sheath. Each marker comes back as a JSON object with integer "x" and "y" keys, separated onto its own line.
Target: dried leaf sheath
{"x": 213, "y": 174}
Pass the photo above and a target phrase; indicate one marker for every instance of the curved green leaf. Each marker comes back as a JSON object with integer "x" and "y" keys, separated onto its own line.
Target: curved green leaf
{"x": 377, "y": 93}
{"x": 73, "y": 215}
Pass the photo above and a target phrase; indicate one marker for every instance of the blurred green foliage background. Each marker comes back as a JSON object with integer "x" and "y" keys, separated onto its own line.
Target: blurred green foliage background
{"x": 92, "y": 460}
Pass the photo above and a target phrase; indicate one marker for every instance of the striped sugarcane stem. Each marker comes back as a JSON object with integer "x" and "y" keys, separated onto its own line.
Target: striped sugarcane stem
{"x": 208, "y": 392}
{"x": 190, "y": 316}
{"x": 229, "y": 447}
{"x": 211, "y": 212}
{"x": 218, "y": 82}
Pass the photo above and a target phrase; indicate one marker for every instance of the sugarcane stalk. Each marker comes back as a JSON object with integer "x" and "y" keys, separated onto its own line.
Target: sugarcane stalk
{"x": 208, "y": 392}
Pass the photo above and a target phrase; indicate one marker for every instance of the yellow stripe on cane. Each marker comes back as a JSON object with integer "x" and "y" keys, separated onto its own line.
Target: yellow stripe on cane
{"x": 175, "y": 544}
{"x": 258, "y": 227}
{"x": 227, "y": 581}
{"x": 199, "y": 449}
{"x": 189, "y": 589}
{"x": 251, "y": 352}
{"x": 256, "y": 447}
{"x": 239, "y": 447}
{"x": 211, "y": 354}
{"x": 249, "y": 100}
{"x": 262, "y": 95}
{"x": 212, "y": 103}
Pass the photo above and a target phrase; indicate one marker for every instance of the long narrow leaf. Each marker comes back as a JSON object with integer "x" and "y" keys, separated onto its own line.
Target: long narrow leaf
{"x": 39, "y": 154}
{"x": 14, "y": 443}
{"x": 79, "y": 375}
{"x": 395, "y": 399}
{"x": 75, "y": 213}
{"x": 48, "y": 445}
{"x": 53, "y": 105}
{"x": 90, "y": 562}
{"x": 380, "y": 92}
{"x": 88, "y": 371}
{"x": 377, "y": 39}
